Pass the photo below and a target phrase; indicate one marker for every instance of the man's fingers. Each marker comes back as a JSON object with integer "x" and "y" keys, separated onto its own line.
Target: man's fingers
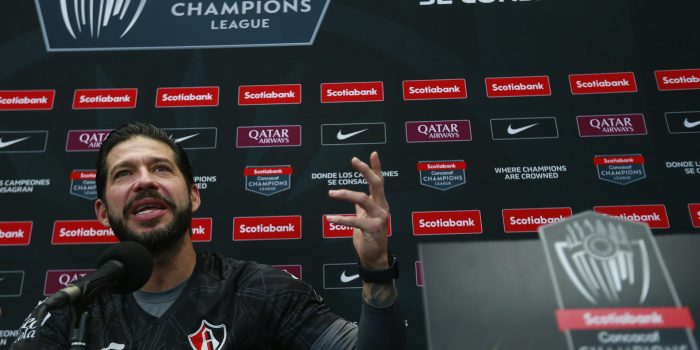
{"x": 366, "y": 171}
{"x": 374, "y": 177}
{"x": 376, "y": 163}
{"x": 358, "y": 198}
{"x": 362, "y": 223}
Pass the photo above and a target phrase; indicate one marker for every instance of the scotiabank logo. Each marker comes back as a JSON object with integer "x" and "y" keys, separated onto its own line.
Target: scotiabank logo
{"x": 604, "y": 83}
{"x": 625, "y": 318}
{"x": 255, "y": 228}
{"x": 440, "y": 89}
{"x": 459, "y": 222}
{"x": 530, "y": 219}
{"x": 201, "y": 229}
{"x": 269, "y": 94}
{"x": 66, "y": 232}
{"x": 205, "y": 96}
{"x": 58, "y": 279}
{"x": 15, "y": 232}
{"x": 26, "y": 100}
{"x": 678, "y": 79}
{"x": 694, "y": 209}
{"x": 518, "y": 86}
{"x": 105, "y": 99}
{"x": 372, "y": 91}
{"x": 653, "y": 215}
{"x": 331, "y": 230}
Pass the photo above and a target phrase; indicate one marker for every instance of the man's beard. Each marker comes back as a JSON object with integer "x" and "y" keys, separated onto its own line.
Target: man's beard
{"x": 158, "y": 240}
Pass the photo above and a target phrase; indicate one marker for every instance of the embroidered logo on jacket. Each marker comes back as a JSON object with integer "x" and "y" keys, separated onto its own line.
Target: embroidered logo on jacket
{"x": 208, "y": 337}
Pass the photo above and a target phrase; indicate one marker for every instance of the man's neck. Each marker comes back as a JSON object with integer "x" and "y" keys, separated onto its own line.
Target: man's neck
{"x": 173, "y": 267}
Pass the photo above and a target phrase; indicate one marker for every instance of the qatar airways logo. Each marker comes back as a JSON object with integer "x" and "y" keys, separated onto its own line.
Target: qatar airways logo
{"x": 85, "y": 140}
{"x": 92, "y": 17}
{"x": 268, "y": 136}
{"x": 58, "y": 279}
{"x": 438, "y": 131}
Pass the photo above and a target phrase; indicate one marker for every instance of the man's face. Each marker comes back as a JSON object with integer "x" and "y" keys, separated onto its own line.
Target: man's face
{"x": 146, "y": 196}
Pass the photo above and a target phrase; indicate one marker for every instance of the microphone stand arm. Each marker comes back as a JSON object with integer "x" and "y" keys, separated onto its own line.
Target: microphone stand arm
{"x": 78, "y": 339}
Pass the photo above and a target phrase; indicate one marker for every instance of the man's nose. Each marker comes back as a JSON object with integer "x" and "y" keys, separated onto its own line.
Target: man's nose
{"x": 145, "y": 180}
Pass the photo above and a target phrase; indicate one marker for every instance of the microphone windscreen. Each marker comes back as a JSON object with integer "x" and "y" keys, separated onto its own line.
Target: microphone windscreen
{"x": 137, "y": 261}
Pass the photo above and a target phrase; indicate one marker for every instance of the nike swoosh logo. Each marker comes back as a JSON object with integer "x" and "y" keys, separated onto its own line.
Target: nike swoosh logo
{"x": 342, "y": 136}
{"x": 10, "y": 143}
{"x": 345, "y": 278}
{"x": 689, "y": 124}
{"x": 512, "y": 131}
{"x": 178, "y": 140}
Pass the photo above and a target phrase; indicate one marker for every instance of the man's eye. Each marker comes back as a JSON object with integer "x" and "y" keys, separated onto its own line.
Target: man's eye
{"x": 161, "y": 168}
{"x": 120, "y": 173}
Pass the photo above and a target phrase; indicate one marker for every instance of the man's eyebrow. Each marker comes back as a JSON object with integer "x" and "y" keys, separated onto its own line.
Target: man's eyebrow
{"x": 149, "y": 160}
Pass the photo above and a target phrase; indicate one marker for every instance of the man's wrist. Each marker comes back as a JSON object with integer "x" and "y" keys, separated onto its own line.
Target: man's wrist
{"x": 381, "y": 275}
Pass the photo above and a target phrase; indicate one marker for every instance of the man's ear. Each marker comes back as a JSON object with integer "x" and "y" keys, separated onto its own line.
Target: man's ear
{"x": 101, "y": 212}
{"x": 195, "y": 198}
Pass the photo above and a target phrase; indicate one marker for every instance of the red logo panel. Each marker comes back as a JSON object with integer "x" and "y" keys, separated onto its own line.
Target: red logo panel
{"x": 331, "y": 230}
{"x": 255, "y": 228}
{"x": 678, "y": 79}
{"x": 294, "y": 270}
{"x": 201, "y": 229}
{"x": 624, "y": 318}
{"x": 26, "y": 100}
{"x": 15, "y": 233}
{"x": 104, "y": 98}
{"x": 439, "y": 89}
{"x": 653, "y": 215}
{"x": 419, "y": 273}
{"x": 269, "y": 94}
{"x": 58, "y": 279}
{"x": 205, "y": 96}
{"x": 604, "y": 83}
{"x": 81, "y": 232}
{"x": 458, "y": 222}
{"x": 530, "y": 219}
{"x": 694, "y": 209}
{"x": 518, "y": 86}
{"x": 371, "y": 91}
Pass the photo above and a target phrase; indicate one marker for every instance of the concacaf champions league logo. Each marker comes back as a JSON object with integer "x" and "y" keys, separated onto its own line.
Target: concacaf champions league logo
{"x": 603, "y": 261}
{"x": 92, "y": 17}
{"x": 208, "y": 337}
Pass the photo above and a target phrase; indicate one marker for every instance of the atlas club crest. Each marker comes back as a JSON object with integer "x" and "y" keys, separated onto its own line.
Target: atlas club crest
{"x": 208, "y": 337}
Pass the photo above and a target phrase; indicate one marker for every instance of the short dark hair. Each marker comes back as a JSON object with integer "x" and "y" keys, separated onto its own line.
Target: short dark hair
{"x": 129, "y": 131}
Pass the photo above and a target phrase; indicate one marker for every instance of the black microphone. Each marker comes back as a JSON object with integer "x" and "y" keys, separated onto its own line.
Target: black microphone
{"x": 123, "y": 268}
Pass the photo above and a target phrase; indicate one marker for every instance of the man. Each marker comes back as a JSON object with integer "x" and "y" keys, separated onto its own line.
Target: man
{"x": 200, "y": 300}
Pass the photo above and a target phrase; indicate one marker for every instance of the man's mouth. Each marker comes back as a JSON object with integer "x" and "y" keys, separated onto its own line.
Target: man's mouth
{"x": 148, "y": 209}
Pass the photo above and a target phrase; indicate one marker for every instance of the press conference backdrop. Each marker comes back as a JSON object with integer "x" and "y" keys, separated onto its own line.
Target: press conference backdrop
{"x": 490, "y": 117}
